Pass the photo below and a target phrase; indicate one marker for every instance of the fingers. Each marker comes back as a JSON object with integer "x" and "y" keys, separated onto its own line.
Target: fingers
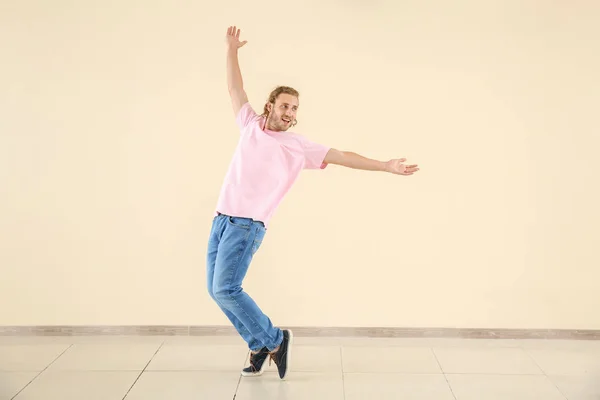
{"x": 233, "y": 31}
{"x": 409, "y": 170}
{"x": 401, "y": 169}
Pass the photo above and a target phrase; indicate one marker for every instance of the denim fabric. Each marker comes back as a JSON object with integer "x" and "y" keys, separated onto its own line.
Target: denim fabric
{"x": 232, "y": 244}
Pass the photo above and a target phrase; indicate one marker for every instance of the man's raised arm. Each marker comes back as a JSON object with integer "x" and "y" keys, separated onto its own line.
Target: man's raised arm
{"x": 235, "y": 82}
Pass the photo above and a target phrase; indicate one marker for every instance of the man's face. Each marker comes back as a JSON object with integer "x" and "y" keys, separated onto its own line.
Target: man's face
{"x": 283, "y": 112}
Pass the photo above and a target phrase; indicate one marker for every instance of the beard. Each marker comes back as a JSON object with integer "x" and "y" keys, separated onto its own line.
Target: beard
{"x": 276, "y": 123}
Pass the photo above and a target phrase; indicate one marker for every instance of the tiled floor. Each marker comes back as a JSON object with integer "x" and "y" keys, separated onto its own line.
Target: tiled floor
{"x": 182, "y": 368}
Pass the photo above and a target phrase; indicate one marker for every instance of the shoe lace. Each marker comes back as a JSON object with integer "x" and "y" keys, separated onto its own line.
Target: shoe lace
{"x": 253, "y": 360}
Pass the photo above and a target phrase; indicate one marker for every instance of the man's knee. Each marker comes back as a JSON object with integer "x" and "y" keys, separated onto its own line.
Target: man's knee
{"x": 224, "y": 294}
{"x": 212, "y": 294}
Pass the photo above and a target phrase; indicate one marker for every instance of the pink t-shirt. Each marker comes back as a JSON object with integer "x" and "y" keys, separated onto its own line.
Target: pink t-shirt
{"x": 265, "y": 165}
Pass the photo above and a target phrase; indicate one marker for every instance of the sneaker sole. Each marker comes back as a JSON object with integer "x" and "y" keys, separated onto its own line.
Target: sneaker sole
{"x": 250, "y": 374}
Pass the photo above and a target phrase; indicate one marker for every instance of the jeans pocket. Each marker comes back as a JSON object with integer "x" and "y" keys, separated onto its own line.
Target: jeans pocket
{"x": 239, "y": 222}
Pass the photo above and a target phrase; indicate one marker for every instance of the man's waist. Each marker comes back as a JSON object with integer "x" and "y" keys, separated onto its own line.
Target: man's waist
{"x": 240, "y": 217}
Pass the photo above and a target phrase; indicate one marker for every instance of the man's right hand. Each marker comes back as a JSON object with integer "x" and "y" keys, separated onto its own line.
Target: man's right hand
{"x": 235, "y": 83}
{"x": 233, "y": 38}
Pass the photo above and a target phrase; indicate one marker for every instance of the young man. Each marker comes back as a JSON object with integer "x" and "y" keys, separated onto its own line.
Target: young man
{"x": 265, "y": 165}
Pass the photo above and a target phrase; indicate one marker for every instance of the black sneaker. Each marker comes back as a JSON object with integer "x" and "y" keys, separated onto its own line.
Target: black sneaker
{"x": 257, "y": 363}
{"x": 282, "y": 355}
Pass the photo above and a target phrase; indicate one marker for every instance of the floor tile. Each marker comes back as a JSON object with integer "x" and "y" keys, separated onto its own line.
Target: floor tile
{"x": 17, "y": 340}
{"x": 77, "y": 385}
{"x": 386, "y": 386}
{"x": 29, "y": 357}
{"x": 585, "y": 345}
{"x": 205, "y": 341}
{"x": 184, "y": 385}
{"x": 313, "y": 359}
{"x": 12, "y": 382}
{"x": 105, "y": 357}
{"x": 91, "y": 339}
{"x": 577, "y": 387}
{"x": 190, "y": 367}
{"x": 503, "y": 387}
{"x": 567, "y": 362}
{"x": 297, "y": 386}
{"x": 428, "y": 342}
{"x": 199, "y": 358}
{"x": 486, "y": 361}
{"x": 116, "y": 339}
{"x": 389, "y": 359}
{"x": 317, "y": 341}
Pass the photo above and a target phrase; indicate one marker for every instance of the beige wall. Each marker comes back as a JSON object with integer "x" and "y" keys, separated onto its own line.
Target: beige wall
{"x": 116, "y": 131}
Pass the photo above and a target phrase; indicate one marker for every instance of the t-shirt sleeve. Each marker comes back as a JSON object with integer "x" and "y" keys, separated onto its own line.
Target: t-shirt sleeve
{"x": 245, "y": 116}
{"x": 314, "y": 154}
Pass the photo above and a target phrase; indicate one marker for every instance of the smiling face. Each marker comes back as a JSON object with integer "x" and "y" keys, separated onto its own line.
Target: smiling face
{"x": 282, "y": 113}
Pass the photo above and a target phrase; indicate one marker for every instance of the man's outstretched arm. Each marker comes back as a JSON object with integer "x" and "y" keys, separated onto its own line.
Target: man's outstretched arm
{"x": 235, "y": 82}
{"x": 356, "y": 161}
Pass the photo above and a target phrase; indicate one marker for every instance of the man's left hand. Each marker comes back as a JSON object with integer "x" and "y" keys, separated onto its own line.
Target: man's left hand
{"x": 398, "y": 167}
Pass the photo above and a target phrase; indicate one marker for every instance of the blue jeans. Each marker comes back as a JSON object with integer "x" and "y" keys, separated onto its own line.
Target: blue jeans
{"x": 232, "y": 244}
